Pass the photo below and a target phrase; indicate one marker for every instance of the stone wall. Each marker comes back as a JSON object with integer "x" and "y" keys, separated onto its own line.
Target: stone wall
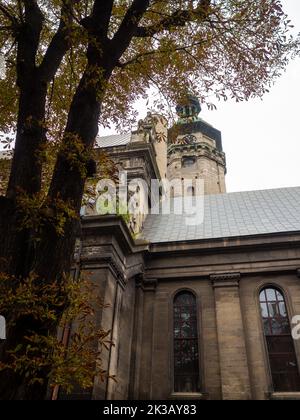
{"x": 209, "y": 166}
{"x": 140, "y": 281}
{"x": 226, "y": 282}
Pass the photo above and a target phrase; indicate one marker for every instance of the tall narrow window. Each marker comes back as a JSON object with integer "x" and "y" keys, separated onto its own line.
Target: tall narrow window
{"x": 280, "y": 345}
{"x": 186, "y": 355}
{"x": 191, "y": 192}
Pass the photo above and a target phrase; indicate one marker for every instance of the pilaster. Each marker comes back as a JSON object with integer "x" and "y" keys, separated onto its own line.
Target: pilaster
{"x": 149, "y": 289}
{"x": 231, "y": 337}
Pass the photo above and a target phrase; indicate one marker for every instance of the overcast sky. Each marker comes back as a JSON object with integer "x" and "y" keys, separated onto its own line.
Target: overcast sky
{"x": 261, "y": 138}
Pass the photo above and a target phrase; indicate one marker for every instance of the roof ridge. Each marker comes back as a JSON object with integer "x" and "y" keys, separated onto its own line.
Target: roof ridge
{"x": 253, "y": 191}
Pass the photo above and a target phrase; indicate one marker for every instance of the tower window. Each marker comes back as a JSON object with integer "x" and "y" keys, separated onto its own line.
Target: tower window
{"x": 280, "y": 345}
{"x": 191, "y": 192}
{"x": 188, "y": 161}
{"x": 186, "y": 355}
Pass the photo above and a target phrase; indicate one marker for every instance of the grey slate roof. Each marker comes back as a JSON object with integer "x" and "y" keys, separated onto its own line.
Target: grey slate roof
{"x": 231, "y": 215}
{"x": 114, "y": 140}
{"x": 102, "y": 142}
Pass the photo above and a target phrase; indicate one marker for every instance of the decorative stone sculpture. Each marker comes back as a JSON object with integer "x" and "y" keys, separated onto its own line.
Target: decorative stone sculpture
{"x": 146, "y": 127}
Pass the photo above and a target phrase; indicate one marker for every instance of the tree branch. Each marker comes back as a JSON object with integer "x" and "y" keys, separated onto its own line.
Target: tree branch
{"x": 137, "y": 58}
{"x": 178, "y": 19}
{"x": 102, "y": 11}
{"x": 33, "y": 14}
{"x": 6, "y": 28}
{"x": 59, "y": 44}
{"x": 129, "y": 26}
{"x": 6, "y": 12}
{"x": 28, "y": 38}
{"x": 20, "y": 9}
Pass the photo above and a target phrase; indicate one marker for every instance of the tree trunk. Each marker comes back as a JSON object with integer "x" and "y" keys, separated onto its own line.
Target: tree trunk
{"x": 54, "y": 253}
{"x": 26, "y": 168}
{"x": 25, "y": 177}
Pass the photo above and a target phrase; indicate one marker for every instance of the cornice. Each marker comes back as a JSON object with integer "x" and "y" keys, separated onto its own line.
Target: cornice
{"x": 225, "y": 280}
{"x": 278, "y": 240}
{"x": 108, "y": 262}
{"x": 113, "y": 225}
{"x": 147, "y": 285}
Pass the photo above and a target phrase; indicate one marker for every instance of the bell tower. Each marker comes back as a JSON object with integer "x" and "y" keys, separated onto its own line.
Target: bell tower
{"x": 195, "y": 149}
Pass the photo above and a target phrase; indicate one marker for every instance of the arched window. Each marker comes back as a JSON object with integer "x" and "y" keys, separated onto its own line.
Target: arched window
{"x": 188, "y": 161}
{"x": 280, "y": 345}
{"x": 186, "y": 354}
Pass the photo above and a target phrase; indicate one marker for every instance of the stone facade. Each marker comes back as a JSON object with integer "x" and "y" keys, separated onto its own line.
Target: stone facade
{"x": 209, "y": 165}
{"x": 140, "y": 281}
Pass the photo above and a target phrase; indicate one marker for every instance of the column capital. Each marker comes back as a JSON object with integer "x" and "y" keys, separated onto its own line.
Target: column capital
{"x": 225, "y": 279}
{"x": 109, "y": 262}
{"x": 149, "y": 285}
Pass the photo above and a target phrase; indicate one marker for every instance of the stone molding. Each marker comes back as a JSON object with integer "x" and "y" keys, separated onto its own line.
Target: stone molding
{"x": 108, "y": 262}
{"x": 225, "y": 279}
{"x": 147, "y": 285}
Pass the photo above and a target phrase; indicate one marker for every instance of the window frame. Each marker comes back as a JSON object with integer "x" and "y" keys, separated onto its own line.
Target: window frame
{"x": 278, "y": 288}
{"x": 186, "y": 158}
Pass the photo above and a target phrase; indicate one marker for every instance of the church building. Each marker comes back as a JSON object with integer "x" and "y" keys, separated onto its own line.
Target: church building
{"x": 203, "y": 310}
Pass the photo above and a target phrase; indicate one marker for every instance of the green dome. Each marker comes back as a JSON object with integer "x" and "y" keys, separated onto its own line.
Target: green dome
{"x": 189, "y": 108}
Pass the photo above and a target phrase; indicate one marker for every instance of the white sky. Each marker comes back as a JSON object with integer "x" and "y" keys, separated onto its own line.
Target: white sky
{"x": 261, "y": 138}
